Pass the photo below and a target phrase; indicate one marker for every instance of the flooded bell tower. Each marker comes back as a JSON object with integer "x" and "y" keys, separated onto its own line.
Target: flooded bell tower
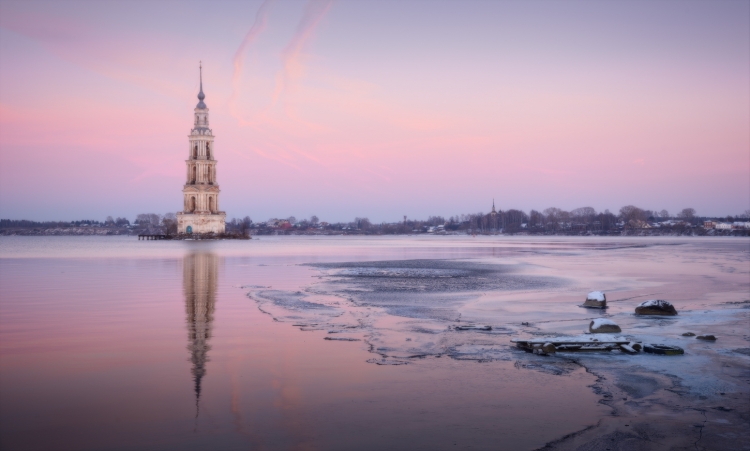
{"x": 200, "y": 213}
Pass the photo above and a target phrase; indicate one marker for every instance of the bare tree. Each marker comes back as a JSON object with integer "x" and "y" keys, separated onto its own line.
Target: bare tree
{"x": 169, "y": 222}
{"x": 536, "y": 219}
{"x": 583, "y": 215}
{"x": 148, "y": 220}
{"x": 688, "y": 215}
{"x": 436, "y": 220}
{"x": 513, "y": 220}
{"x": 314, "y": 220}
{"x": 362, "y": 223}
{"x": 244, "y": 225}
{"x": 554, "y": 217}
{"x": 633, "y": 216}
{"x": 664, "y": 214}
{"x": 583, "y": 212}
{"x": 607, "y": 220}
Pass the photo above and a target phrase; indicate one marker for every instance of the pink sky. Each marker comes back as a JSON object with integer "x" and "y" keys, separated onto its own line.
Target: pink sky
{"x": 378, "y": 109}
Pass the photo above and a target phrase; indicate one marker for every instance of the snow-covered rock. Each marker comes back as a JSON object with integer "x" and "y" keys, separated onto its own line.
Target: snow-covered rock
{"x": 655, "y": 307}
{"x": 595, "y": 299}
{"x": 603, "y": 326}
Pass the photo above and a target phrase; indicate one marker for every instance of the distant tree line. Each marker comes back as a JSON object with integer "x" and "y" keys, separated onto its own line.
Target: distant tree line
{"x": 549, "y": 221}
{"x": 26, "y": 224}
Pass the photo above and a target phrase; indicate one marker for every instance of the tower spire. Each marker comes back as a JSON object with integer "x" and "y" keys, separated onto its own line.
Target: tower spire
{"x": 201, "y": 96}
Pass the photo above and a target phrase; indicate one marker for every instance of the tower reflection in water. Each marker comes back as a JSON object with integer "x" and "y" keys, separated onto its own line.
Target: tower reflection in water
{"x": 199, "y": 272}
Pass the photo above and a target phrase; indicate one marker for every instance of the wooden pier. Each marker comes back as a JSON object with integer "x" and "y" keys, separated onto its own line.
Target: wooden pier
{"x": 154, "y": 237}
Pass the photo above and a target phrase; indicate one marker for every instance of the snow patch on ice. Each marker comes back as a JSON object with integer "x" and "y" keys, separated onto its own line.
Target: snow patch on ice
{"x": 599, "y": 322}
{"x": 654, "y": 303}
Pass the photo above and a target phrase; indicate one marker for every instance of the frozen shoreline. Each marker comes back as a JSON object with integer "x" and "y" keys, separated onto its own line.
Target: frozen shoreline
{"x": 407, "y": 311}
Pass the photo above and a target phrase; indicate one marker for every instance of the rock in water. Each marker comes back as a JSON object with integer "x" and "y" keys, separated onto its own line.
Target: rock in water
{"x": 656, "y": 307}
{"x": 595, "y": 299}
{"x": 603, "y": 326}
{"x": 663, "y": 349}
{"x": 688, "y": 334}
{"x": 473, "y": 327}
{"x": 540, "y": 349}
{"x": 549, "y": 348}
{"x": 706, "y": 337}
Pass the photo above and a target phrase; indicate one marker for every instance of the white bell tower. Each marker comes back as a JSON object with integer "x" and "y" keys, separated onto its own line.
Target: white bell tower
{"x": 201, "y": 212}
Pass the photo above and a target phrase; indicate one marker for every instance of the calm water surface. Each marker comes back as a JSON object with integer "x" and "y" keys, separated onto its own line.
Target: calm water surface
{"x": 114, "y": 343}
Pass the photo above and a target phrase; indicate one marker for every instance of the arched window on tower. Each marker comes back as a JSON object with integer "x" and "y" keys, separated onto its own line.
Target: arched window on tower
{"x": 192, "y": 177}
{"x": 195, "y": 151}
{"x": 211, "y": 204}
{"x": 192, "y": 204}
{"x": 208, "y": 151}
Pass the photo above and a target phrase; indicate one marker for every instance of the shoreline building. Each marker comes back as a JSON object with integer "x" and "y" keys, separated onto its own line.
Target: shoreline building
{"x": 200, "y": 213}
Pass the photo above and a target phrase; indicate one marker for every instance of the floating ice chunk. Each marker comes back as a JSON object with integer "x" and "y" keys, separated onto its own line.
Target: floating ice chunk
{"x": 596, "y": 296}
{"x": 604, "y": 326}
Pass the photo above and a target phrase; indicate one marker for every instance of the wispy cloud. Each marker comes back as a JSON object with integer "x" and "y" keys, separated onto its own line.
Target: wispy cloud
{"x": 291, "y": 56}
{"x": 261, "y": 21}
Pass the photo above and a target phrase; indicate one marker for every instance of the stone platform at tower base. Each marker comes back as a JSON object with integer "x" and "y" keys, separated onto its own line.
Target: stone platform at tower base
{"x": 211, "y": 236}
{"x": 200, "y": 223}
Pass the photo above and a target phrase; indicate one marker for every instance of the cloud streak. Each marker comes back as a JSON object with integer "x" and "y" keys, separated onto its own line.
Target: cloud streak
{"x": 260, "y": 24}
{"x": 291, "y": 56}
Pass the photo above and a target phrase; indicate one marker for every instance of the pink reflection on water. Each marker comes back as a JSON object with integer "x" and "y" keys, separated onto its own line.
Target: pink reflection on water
{"x": 94, "y": 352}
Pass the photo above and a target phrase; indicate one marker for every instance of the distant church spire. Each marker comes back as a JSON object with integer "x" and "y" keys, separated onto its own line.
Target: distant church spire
{"x": 201, "y": 96}
{"x": 493, "y": 206}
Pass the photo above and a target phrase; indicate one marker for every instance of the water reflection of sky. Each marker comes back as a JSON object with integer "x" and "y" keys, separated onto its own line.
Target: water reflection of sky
{"x": 93, "y": 344}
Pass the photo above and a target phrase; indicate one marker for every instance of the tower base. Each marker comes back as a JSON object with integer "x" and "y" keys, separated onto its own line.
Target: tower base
{"x": 201, "y": 222}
